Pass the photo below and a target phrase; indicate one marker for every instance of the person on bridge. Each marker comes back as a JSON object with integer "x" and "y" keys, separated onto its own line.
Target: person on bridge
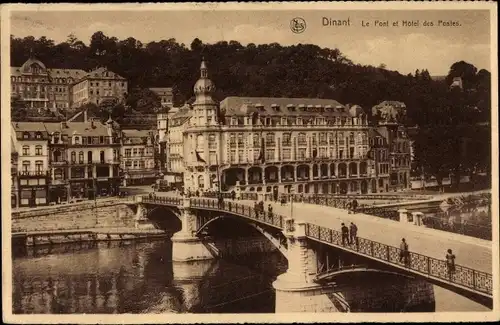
{"x": 450, "y": 263}
{"x": 353, "y": 232}
{"x": 220, "y": 201}
{"x": 270, "y": 211}
{"x": 354, "y": 205}
{"x": 345, "y": 234}
{"x": 233, "y": 195}
{"x": 404, "y": 253}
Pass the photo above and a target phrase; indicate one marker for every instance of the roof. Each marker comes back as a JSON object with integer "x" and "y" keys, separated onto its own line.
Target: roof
{"x": 100, "y": 73}
{"x": 75, "y": 74}
{"x": 372, "y": 133}
{"x": 136, "y": 133}
{"x": 287, "y": 106}
{"x": 86, "y": 128}
{"x": 167, "y": 90}
{"x": 391, "y": 103}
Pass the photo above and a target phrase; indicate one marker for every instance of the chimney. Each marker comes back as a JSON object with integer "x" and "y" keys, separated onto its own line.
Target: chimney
{"x": 92, "y": 124}
{"x": 85, "y": 116}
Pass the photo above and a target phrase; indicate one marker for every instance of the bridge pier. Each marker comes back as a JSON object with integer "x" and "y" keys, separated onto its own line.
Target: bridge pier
{"x": 185, "y": 245}
{"x": 141, "y": 220}
{"x": 296, "y": 290}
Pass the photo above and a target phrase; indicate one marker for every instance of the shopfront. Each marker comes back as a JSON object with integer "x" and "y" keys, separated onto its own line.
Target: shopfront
{"x": 33, "y": 195}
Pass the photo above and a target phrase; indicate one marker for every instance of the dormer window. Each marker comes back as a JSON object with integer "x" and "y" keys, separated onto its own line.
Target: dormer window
{"x": 275, "y": 107}
{"x": 38, "y": 135}
{"x": 26, "y": 135}
{"x": 302, "y": 107}
{"x": 76, "y": 140}
{"x": 283, "y": 121}
{"x": 290, "y": 107}
{"x": 310, "y": 108}
{"x": 299, "y": 120}
{"x": 259, "y": 106}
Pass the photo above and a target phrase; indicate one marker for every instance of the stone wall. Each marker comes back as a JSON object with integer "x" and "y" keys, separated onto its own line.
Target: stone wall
{"x": 234, "y": 247}
{"x": 362, "y": 292}
{"x": 69, "y": 217}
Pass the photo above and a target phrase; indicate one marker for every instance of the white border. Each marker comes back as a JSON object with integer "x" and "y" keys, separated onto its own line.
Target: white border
{"x": 239, "y": 318}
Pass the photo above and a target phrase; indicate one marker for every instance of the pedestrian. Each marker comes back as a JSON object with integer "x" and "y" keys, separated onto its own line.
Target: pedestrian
{"x": 354, "y": 205}
{"x": 197, "y": 193}
{"x": 270, "y": 211}
{"x": 256, "y": 209}
{"x": 233, "y": 195}
{"x": 345, "y": 234}
{"x": 353, "y": 232}
{"x": 450, "y": 263}
{"x": 403, "y": 253}
{"x": 348, "y": 207}
{"x": 220, "y": 201}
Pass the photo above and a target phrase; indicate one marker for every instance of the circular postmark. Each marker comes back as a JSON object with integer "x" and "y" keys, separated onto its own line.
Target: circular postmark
{"x": 298, "y": 25}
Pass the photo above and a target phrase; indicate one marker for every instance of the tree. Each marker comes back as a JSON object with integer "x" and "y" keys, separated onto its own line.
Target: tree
{"x": 143, "y": 100}
{"x": 18, "y": 110}
{"x": 464, "y": 70}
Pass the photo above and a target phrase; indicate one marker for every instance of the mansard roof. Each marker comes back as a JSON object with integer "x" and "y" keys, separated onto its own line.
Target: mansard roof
{"x": 273, "y": 106}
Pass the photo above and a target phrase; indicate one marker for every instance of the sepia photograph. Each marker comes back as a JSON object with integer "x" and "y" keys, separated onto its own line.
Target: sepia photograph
{"x": 234, "y": 161}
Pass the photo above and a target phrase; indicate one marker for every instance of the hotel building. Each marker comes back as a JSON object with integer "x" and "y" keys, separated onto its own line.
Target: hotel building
{"x": 277, "y": 145}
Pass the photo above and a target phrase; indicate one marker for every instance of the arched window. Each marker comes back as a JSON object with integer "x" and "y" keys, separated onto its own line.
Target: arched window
{"x": 26, "y": 150}
{"x": 89, "y": 157}
{"x": 341, "y": 138}
{"x": 77, "y": 140}
{"x": 201, "y": 181}
{"x": 38, "y": 150}
{"x": 73, "y": 157}
{"x": 80, "y": 157}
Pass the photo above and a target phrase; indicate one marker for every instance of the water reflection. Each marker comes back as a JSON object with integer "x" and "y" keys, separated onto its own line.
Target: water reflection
{"x": 137, "y": 278}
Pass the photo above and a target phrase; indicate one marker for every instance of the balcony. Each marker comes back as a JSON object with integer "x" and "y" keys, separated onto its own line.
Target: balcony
{"x": 59, "y": 163}
{"x": 59, "y": 182}
{"x": 34, "y": 173}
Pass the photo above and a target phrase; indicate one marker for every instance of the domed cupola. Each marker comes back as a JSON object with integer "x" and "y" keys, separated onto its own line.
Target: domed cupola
{"x": 204, "y": 87}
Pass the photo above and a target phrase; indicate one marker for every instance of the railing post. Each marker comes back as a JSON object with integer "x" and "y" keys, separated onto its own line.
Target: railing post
{"x": 331, "y": 235}
{"x": 429, "y": 265}
{"x": 371, "y": 248}
{"x": 474, "y": 279}
{"x": 388, "y": 249}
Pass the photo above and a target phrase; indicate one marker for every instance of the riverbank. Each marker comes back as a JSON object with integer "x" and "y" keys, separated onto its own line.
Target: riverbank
{"x": 54, "y": 237}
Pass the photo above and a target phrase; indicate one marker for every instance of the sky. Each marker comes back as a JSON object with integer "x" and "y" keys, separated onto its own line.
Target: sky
{"x": 400, "y": 48}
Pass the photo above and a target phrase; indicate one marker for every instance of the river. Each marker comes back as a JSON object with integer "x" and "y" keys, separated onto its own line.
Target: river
{"x": 135, "y": 277}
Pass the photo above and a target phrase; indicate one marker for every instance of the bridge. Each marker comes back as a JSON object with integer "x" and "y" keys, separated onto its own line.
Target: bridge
{"x": 313, "y": 245}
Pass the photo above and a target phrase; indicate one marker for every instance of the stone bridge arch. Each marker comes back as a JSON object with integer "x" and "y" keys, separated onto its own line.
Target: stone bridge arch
{"x": 275, "y": 237}
{"x": 165, "y": 217}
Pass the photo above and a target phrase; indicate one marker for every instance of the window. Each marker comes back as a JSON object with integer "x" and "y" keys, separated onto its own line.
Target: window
{"x": 128, "y": 153}
{"x": 26, "y": 135}
{"x": 39, "y": 166}
{"x": 351, "y": 138}
{"x": 240, "y": 140}
{"x": 58, "y": 173}
{"x": 101, "y": 157}
{"x": 287, "y": 154}
{"x": 269, "y": 154}
{"x": 287, "y": 139}
{"x": 73, "y": 157}
{"x": 38, "y": 135}
{"x": 141, "y": 164}
{"x": 128, "y": 163}
{"x": 256, "y": 140}
{"x": 80, "y": 157}
{"x": 232, "y": 157}
{"x": 26, "y": 150}
{"x": 232, "y": 140}
{"x": 341, "y": 139}
{"x": 302, "y": 139}
{"x": 135, "y": 163}
{"x": 270, "y": 140}
{"x": 134, "y": 151}
{"x": 89, "y": 157}
{"x": 211, "y": 141}
{"x": 141, "y": 152}
{"x": 77, "y": 140}
{"x": 26, "y": 166}
{"x": 302, "y": 153}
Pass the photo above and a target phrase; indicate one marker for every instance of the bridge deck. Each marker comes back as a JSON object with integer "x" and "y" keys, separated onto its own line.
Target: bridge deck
{"x": 470, "y": 252}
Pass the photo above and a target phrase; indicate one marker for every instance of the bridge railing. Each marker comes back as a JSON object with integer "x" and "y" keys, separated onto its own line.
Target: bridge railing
{"x": 172, "y": 200}
{"x": 240, "y": 209}
{"x": 464, "y": 276}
